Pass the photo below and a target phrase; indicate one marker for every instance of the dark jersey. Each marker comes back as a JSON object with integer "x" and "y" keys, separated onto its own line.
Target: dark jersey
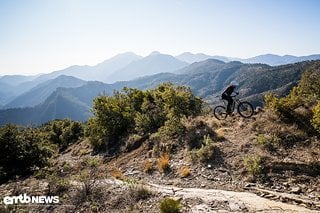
{"x": 229, "y": 90}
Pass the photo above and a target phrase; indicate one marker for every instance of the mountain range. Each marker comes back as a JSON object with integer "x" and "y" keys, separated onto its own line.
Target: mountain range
{"x": 67, "y": 96}
{"x": 127, "y": 66}
{"x": 42, "y": 91}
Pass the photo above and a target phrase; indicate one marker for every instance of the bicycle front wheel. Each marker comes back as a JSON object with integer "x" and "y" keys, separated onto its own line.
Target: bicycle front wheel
{"x": 245, "y": 109}
{"x": 220, "y": 112}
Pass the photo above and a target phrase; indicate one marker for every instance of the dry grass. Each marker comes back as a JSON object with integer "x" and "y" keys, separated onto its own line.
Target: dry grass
{"x": 139, "y": 192}
{"x": 148, "y": 167}
{"x": 163, "y": 162}
{"x": 185, "y": 171}
{"x": 116, "y": 173}
{"x": 220, "y": 133}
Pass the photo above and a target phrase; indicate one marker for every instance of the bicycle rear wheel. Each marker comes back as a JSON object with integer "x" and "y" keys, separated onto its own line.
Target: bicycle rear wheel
{"x": 220, "y": 112}
{"x": 245, "y": 109}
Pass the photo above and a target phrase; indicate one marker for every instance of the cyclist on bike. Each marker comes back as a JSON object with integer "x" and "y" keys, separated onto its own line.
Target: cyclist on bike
{"x": 226, "y": 95}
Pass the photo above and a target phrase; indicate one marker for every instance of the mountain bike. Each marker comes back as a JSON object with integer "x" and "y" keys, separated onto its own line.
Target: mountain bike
{"x": 244, "y": 108}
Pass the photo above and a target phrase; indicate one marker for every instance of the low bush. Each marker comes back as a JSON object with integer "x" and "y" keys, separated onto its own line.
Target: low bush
{"x": 268, "y": 142}
{"x": 169, "y": 205}
{"x": 208, "y": 151}
{"x": 316, "y": 117}
{"x": 253, "y": 165}
{"x": 63, "y": 132}
{"x": 139, "y": 192}
{"x": 89, "y": 190}
{"x": 172, "y": 127}
{"x": 56, "y": 185}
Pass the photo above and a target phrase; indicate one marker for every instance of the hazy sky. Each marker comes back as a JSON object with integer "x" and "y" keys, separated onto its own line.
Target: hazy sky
{"x": 38, "y": 36}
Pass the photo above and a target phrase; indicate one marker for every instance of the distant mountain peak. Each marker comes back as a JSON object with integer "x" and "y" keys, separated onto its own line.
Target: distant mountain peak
{"x": 192, "y": 58}
{"x": 154, "y": 53}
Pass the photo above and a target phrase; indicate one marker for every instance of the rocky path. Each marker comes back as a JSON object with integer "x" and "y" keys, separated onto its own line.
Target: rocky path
{"x": 213, "y": 200}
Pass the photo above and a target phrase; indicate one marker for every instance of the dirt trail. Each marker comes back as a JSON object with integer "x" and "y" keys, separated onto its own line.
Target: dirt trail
{"x": 237, "y": 201}
{"x": 212, "y": 200}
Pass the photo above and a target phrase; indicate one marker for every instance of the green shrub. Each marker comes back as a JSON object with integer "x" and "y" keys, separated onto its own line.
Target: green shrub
{"x": 269, "y": 142}
{"x": 316, "y": 117}
{"x": 253, "y": 165}
{"x": 172, "y": 127}
{"x": 310, "y": 82}
{"x": 169, "y": 205}
{"x": 272, "y": 101}
{"x": 56, "y": 185}
{"x": 295, "y": 107}
{"x": 21, "y": 151}
{"x": 140, "y": 112}
{"x": 152, "y": 115}
{"x": 63, "y": 132}
{"x": 208, "y": 151}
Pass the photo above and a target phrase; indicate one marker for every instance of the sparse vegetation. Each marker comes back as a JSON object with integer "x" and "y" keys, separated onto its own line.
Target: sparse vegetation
{"x": 207, "y": 152}
{"x": 148, "y": 167}
{"x": 163, "y": 163}
{"x": 300, "y": 106}
{"x": 316, "y": 117}
{"x": 117, "y": 173}
{"x": 169, "y": 205}
{"x": 57, "y": 185}
{"x": 253, "y": 165}
{"x": 185, "y": 171}
{"x": 139, "y": 192}
{"x": 269, "y": 142}
{"x": 89, "y": 190}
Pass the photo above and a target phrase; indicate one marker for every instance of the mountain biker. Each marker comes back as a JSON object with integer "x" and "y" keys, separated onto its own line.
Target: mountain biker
{"x": 226, "y": 95}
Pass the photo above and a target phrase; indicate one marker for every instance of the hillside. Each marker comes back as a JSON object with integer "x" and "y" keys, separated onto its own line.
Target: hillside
{"x": 41, "y": 92}
{"x": 15, "y": 80}
{"x": 73, "y": 103}
{"x": 161, "y": 148}
{"x": 128, "y": 182}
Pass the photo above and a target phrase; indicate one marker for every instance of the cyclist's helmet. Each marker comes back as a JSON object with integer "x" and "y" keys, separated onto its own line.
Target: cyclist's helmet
{"x": 234, "y": 83}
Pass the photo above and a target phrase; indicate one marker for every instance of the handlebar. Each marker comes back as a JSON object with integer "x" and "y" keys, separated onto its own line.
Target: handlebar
{"x": 235, "y": 94}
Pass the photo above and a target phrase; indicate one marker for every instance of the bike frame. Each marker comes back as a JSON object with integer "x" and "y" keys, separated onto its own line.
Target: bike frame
{"x": 235, "y": 101}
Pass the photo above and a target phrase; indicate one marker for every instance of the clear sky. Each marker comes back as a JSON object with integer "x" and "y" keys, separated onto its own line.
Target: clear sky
{"x": 39, "y": 36}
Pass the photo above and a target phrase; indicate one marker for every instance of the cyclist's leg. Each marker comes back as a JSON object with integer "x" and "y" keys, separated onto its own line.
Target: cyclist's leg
{"x": 230, "y": 103}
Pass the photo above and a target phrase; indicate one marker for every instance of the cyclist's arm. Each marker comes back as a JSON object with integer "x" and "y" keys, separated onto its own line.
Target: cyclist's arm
{"x": 234, "y": 93}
